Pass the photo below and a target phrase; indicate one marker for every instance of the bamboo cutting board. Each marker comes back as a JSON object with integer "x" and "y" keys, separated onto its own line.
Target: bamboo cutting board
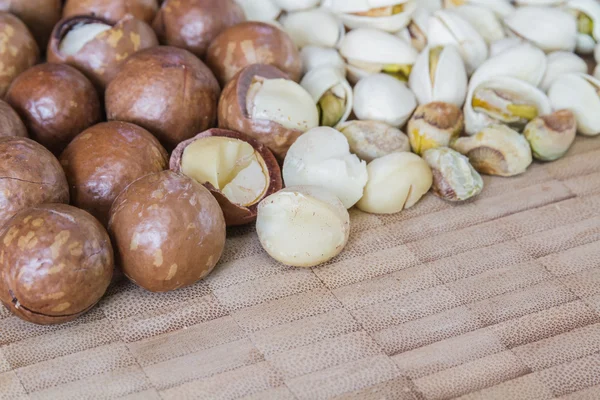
{"x": 496, "y": 299}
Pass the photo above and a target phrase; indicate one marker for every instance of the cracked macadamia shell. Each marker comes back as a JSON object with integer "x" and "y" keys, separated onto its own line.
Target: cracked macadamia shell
{"x": 29, "y": 175}
{"x": 112, "y": 10}
{"x": 56, "y": 102}
{"x": 40, "y": 16}
{"x": 56, "y": 262}
{"x": 10, "y": 122}
{"x": 18, "y": 50}
{"x": 238, "y": 170}
{"x": 167, "y": 91}
{"x": 101, "y": 161}
{"x": 98, "y": 47}
{"x": 168, "y": 231}
{"x": 253, "y": 43}
{"x": 194, "y": 24}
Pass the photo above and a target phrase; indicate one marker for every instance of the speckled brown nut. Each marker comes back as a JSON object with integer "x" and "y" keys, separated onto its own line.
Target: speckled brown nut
{"x": 166, "y": 90}
{"x": 194, "y": 24}
{"x": 253, "y": 43}
{"x": 29, "y": 175}
{"x": 10, "y": 122}
{"x": 104, "y": 159}
{"x": 238, "y": 171}
{"x": 39, "y": 15}
{"x": 56, "y": 262}
{"x": 56, "y": 102}
{"x": 112, "y": 10}
{"x": 100, "y": 57}
{"x": 18, "y": 50}
{"x": 168, "y": 231}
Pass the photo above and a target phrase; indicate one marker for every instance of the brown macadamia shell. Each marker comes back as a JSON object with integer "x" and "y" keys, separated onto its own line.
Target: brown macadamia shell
{"x": 168, "y": 231}
{"x": 167, "y": 91}
{"x": 101, "y": 161}
{"x": 40, "y": 16}
{"x": 194, "y": 24}
{"x": 29, "y": 175}
{"x": 235, "y": 214}
{"x": 10, "y": 122}
{"x": 56, "y": 102}
{"x": 253, "y": 43}
{"x": 112, "y": 10}
{"x": 56, "y": 262}
{"x": 18, "y": 50}
{"x": 100, "y": 58}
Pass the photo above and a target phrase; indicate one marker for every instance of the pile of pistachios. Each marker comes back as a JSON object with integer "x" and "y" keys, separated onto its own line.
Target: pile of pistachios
{"x": 479, "y": 87}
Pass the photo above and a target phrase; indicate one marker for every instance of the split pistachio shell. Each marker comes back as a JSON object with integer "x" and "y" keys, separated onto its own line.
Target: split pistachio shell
{"x": 539, "y": 3}
{"x": 371, "y": 51}
{"x": 260, "y": 10}
{"x": 434, "y": 125}
{"x": 321, "y": 157}
{"x": 396, "y": 182}
{"x": 302, "y": 226}
{"x": 551, "y": 136}
{"x": 314, "y": 57}
{"x": 447, "y": 28}
{"x": 431, "y": 5}
{"x": 439, "y": 75}
{"x": 496, "y": 150}
{"x": 296, "y": 5}
{"x": 501, "y": 45}
{"x": 332, "y": 94}
{"x": 387, "y": 15}
{"x": 300, "y": 25}
{"x": 551, "y": 29}
{"x": 372, "y": 139}
{"x": 416, "y": 31}
{"x": 501, "y": 8}
{"x": 483, "y": 20}
{"x": 383, "y": 98}
{"x": 587, "y": 13}
{"x": 561, "y": 63}
{"x": 454, "y": 178}
{"x": 580, "y": 94}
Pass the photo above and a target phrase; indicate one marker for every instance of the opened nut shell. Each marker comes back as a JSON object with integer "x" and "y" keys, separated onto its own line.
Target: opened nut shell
{"x": 40, "y": 16}
{"x": 551, "y": 136}
{"x": 434, "y": 125}
{"x": 112, "y": 10}
{"x": 238, "y": 170}
{"x": 20, "y": 51}
{"x": 10, "y": 122}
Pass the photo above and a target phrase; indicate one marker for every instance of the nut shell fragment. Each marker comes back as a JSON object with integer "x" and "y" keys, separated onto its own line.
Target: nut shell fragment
{"x": 434, "y": 125}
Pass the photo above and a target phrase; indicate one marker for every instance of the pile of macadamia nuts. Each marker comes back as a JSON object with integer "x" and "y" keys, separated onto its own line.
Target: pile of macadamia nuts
{"x": 134, "y": 132}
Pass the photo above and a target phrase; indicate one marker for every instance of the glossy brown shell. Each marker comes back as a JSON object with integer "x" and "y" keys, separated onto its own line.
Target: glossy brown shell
{"x": 10, "y": 122}
{"x": 40, "y": 16}
{"x": 234, "y": 214}
{"x": 194, "y": 24}
{"x": 29, "y": 175}
{"x": 101, "y": 58}
{"x": 18, "y": 50}
{"x": 56, "y": 262}
{"x": 56, "y": 102}
{"x": 168, "y": 231}
{"x": 233, "y": 114}
{"x": 112, "y": 10}
{"x": 104, "y": 159}
{"x": 166, "y": 90}
{"x": 253, "y": 43}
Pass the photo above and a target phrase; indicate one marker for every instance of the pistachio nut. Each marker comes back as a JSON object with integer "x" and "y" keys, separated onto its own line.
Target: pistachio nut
{"x": 447, "y": 28}
{"x": 551, "y": 136}
{"x": 260, "y": 10}
{"x": 483, "y": 20}
{"x": 539, "y": 3}
{"x": 315, "y": 57}
{"x": 416, "y": 31}
{"x": 579, "y": 93}
{"x": 439, "y": 75}
{"x": 372, "y": 139}
{"x": 296, "y": 5}
{"x": 381, "y": 97}
{"x": 332, "y": 94}
{"x": 561, "y": 63}
{"x": 496, "y": 150}
{"x": 587, "y": 13}
{"x": 434, "y": 125}
{"x": 300, "y": 25}
{"x": 387, "y": 15}
{"x": 370, "y": 51}
{"x": 501, "y": 45}
{"x": 550, "y": 29}
{"x": 597, "y": 53}
{"x": 431, "y": 5}
{"x": 501, "y": 8}
{"x": 454, "y": 178}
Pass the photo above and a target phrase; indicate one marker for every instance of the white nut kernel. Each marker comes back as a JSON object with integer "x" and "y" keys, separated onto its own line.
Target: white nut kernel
{"x": 79, "y": 36}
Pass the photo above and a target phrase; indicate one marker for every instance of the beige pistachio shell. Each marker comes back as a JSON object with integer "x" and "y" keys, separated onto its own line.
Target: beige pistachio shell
{"x": 296, "y": 5}
{"x": 587, "y": 13}
{"x": 550, "y": 29}
{"x": 331, "y": 92}
{"x": 434, "y": 125}
{"x": 314, "y": 57}
{"x": 260, "y": 10}
{"x": 561, "y": 63}
{"x": 415, "y": 32}
{"x": 501, "y": 45}
{"x": 300, "y": 25}
{"x": 580, "y": 94}
{"x": 372, "y": 139}
{"x": 501, "y": 8}
{"x": 378, "y": 14}
{"x": 551, "y": 136}
{"x": 483, "y": 20}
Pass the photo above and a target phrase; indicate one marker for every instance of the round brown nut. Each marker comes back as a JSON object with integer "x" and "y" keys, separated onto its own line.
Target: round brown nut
{"x": 168, "y": 231}
{"x": 56, "y": 262}
{"x": 56, "y": 102}
{"x": 238, "y": 171}
{"x": 39, "y": 16}
{"x": 19, "y": 51}
{"x": 29, "y": 175}
{"x": 97, "y": 47}
{"x": 112, "y": 10}
{"x": 253, "y": 43}
{"x": 166, "y": 90}
{"x": 102, "y": 160}
{"x": 194, "y": 24}
{"x": 10, "y": 122}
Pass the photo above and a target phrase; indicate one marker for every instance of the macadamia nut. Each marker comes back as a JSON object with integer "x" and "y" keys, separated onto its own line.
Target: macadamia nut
{"x": 79, "y": 35}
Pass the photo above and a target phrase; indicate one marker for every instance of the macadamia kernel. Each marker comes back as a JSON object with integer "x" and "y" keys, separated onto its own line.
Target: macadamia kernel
{"x": 79, "y": 35}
